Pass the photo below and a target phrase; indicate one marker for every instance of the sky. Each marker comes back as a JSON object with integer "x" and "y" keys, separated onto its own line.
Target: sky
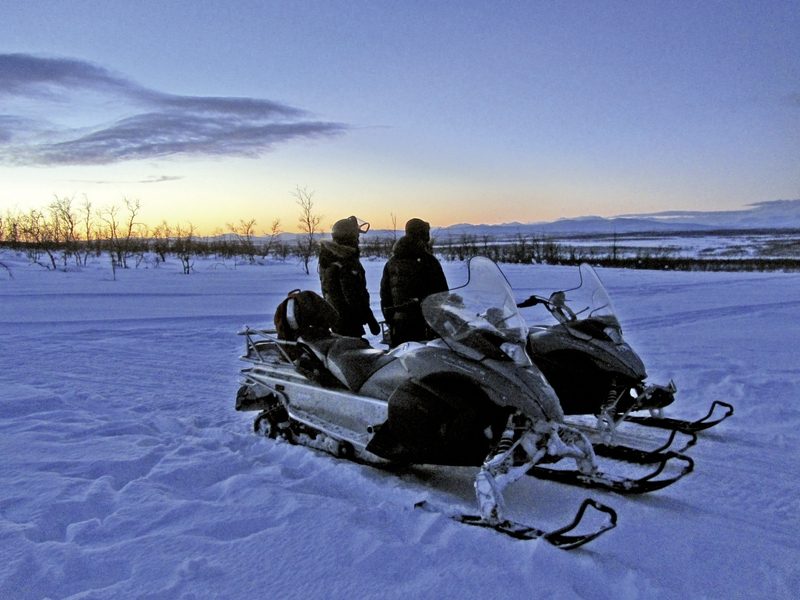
{"x": 212, "y": 113}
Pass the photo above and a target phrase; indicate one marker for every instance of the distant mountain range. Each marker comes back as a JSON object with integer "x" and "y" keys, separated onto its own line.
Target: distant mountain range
{"x": 779, "y": 214}
{"x": 776, "y": 214}
{"x": 574, "y": 226}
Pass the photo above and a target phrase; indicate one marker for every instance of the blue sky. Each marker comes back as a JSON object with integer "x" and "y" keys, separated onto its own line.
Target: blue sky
{"x": 486, "y": 112}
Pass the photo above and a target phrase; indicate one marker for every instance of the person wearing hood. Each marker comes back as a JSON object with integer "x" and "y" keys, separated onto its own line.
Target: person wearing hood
{"x": 410, "y": 275}
{"x": 343, "y": 281}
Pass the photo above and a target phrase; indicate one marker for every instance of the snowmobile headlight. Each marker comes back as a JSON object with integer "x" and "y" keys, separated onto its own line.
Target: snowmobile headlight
{"x": 516, "y": 353}
{"x": 613, "y": 334}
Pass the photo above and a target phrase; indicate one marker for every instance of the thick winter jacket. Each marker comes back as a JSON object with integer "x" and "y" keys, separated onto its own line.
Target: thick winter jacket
{"x": 344, "y": 285}
{"x": 411, "y": 274}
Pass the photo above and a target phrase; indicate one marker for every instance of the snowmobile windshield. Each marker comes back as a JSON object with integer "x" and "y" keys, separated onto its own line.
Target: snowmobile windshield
{"x": 591, "y": 299}
{"x": 481, "y": 318}
{"x": 586, "y": 309}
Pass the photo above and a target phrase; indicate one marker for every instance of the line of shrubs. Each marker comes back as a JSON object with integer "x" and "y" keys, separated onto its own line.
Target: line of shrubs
{"x": 531, "y": 249}
{"x": 134, "y": 252}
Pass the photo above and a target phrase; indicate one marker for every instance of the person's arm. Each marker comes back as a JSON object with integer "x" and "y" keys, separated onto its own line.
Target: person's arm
{"x": 354, "y": 288}
{"x": 387, "y": 302}
{"x": 438, "y": 282}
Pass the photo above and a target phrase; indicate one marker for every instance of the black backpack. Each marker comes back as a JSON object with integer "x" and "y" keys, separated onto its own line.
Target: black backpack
{"x": 304, "y": 314}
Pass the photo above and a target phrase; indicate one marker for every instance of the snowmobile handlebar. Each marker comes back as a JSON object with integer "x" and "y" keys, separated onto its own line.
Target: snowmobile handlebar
{"x": 532, "y": 301}
{"x": 556, "y": 304}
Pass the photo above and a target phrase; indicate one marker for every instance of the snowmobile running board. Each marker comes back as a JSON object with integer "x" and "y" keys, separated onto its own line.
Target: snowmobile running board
{"x": 681, "y": 425}
{"x": 560, "y": 538}
{"x": 621, "y": 485}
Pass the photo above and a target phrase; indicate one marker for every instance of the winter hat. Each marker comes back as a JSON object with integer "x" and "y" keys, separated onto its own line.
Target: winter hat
{"x": 345, "y": 230}
{"x": 417, "y": 228}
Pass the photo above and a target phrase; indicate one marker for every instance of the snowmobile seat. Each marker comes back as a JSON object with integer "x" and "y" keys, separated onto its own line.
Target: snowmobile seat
{"x": 351, "y": 360}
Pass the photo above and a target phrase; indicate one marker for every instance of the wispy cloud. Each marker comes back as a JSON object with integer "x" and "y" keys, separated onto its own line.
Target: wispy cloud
{"x": 13, "y": 126}
{"x": 152, "y": 124}
{"x": 161, "y": 178}
{"x": 151, "y": 179}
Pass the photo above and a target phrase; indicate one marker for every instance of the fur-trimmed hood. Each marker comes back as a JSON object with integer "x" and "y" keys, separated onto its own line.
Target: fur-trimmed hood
{"x": 410, "y": 247}
{"x": 331, "y": 252}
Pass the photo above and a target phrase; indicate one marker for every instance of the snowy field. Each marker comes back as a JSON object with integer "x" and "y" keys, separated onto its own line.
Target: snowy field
{"x": 126, "y": 472}
{"x": 745, "y": 245}
{"x": 780, "y": 244}
{"x": 775, "y": 243}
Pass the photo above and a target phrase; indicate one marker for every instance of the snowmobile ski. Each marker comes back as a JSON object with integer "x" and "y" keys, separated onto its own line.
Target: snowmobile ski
{"x": 639, "y": 456}
{"x": 675, "y": 441}
{"x": 657, "y": 462}
{"x": 685, "y": 426}
{"x": 561, "y": 538}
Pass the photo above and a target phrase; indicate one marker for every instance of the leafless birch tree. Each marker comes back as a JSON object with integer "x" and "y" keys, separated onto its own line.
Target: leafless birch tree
{"x": 309, "y": 225}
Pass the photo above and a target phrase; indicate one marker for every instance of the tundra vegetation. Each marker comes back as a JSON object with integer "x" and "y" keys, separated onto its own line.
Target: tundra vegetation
{"x": 66, "y": 234}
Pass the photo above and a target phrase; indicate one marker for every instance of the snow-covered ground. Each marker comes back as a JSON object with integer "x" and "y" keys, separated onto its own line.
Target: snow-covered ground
{"x": 127, "y": 473}
{"x": 744, "y": 245}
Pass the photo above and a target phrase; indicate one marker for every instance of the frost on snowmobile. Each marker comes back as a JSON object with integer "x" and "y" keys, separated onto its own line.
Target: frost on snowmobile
{"x": 471, "y": 398}
{"x": 594, "y": 371}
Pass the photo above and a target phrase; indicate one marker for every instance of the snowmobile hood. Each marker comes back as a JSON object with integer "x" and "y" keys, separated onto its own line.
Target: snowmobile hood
{"x": 614, "y": 357}
{"x": 480, "y": 321}
{"x": 586, "y": 322}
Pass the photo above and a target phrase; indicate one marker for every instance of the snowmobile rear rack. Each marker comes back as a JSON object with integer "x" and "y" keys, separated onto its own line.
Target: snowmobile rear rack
{"x": 254, "y": 348}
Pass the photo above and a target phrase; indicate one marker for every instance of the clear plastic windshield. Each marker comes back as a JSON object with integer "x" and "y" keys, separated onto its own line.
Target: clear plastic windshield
{"x": 591, "y": 299}
{"x": 589, "y": 302}
{"x": 481, "y": 316}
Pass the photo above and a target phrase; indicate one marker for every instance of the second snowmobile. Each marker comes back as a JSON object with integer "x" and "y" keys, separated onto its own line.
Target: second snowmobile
{"x": 593, "y": 369}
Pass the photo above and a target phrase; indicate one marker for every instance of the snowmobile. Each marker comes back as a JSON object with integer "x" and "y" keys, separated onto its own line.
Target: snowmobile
{"x": 469, "y": 398}
{"x": 594, "y": 371}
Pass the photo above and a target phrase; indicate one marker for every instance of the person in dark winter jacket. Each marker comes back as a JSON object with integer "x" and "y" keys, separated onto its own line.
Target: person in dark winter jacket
{"x": 344, "y": 284}
{"x": 411, "y": 274}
